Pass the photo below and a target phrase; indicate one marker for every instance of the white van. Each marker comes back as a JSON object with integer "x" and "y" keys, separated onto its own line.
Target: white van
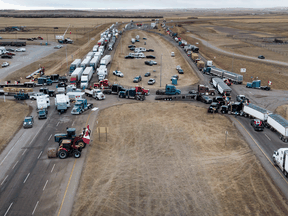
{"x": 172, "y": 54}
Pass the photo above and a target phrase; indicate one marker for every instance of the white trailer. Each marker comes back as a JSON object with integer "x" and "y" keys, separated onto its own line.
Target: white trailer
{"x": 85, "y": 63}
{"x": 280, "y": 124}
{"x": 86, "y": 77}
{"x": 74, "y": 96}
{"x": 102, "y": 70}
{"x": 43, "y": 102}
{"x": 95, "y": 48}
{"x": 209, "y": 63}
{"x": 94, "y": 62}
{"x": 223, "y": 88}
{"x": 90, "y": 54}
{"x": 76, "y": 75}
{"x": 280, "y": 158}
{"x": 256, "y": 112}
{"x": 62, "y": 103}
{"x": 133, "y": 40}
{"x": 105, "y": 60}
{"x": 76, "y": 63}
{"x": 215, "y": 81}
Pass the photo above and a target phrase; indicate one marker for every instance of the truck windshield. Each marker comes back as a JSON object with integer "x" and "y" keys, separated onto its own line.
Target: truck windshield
{"x": 26, "y": 120}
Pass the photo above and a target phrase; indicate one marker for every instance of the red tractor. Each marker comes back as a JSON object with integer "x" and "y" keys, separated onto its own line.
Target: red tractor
{"x": 143, "y": 91}
{"x": 102, "y": 84}
{"x": 69, "y": 147}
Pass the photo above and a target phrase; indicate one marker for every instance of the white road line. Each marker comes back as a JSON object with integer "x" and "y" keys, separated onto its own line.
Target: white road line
{"x": 45, "y": 185}
{"x": 73, "y": 123}
{"x": 15, "y": 165}
{"x": 4, "y": 180}
{"x": 50, "y": 137}
{"x": 57, "y": 123}
{"x": 8, "y": 209}
{"x": 267, "y": 137}
{"x": 24, "y": 151}
{"x": 35, "y": 207}
{"x": 7, "y": 155}
{"x": 52, "y": 168}
{"x": 26, "y": 178}
{"x": 40, "y": 155}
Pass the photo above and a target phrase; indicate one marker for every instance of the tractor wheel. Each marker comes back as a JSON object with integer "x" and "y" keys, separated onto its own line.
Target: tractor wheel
{"x": 62, "y": 154}
{"x": 81, "y": 144}
{"x": 77, "y": 154}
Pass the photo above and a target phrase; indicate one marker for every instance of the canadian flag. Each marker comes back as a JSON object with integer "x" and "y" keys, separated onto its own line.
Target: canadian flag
{"x": 70, "y": 32}
{"x": 269, "y": 83}
{"x": 86, "y": 137}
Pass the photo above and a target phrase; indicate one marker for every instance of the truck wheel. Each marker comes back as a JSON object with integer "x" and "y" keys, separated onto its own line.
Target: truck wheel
{"x": 62, "y": 154}
{"x": 77, "y": 154}
{"x": 81, "y": 144}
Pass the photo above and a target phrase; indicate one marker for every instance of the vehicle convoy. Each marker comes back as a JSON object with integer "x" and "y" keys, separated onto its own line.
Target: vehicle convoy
{"x": 21, "y": 96}
{"x": 28, "y": 122}
{"x": 95, "y": 93}
{"x": 256, "y": 84}
{"x": 221, "y": 86}
{"x": 132, "y": 94}
{"x": 256, "y": 112}
{"x": 86, "y": 77}
{"x": 279, "y": 124}
{"x": 80, "y": 106}
{"x": 62, "y": 103}
{"x": 233, "y": 77}
{"x": 280, "y": 158}
{"x": 169, "y": 90}
{"x": 76, "y": 63}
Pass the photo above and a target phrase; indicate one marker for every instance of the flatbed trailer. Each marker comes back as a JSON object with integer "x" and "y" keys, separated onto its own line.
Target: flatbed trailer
{"x": 19, "y": 85}
{"x": 177, "y": 97}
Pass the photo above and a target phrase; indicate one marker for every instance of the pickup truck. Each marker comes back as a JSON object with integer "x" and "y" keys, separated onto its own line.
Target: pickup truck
{"x": 137, "y": 79}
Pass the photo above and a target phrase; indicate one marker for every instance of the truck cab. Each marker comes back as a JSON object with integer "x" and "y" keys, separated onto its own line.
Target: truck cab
{"x": 42, "y": 113}
{"x": 280, "y": 159}
{"x": 28, "y": 122}
{"x": 171, "y": 90}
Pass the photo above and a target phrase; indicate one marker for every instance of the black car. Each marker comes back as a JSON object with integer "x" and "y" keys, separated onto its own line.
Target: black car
{"x": 149, "y": 63}
{"x": 7, "y": 56}
{"x": 131, "y": 46}
{"x": 261, "y": 57}
{"x": 220, "y": 100}
{"x": 257, "y": 124}
{"x": 149, "y": 50}
{"x": 151, "y": 57}
{"x": 213, "y": 108}
{"x": 129, "y": 57}
{"x": 10, "y": 50}
{"x": 147, "y": 74}
{"x": 137, "y": 40}
{"x": 144, "y": 38}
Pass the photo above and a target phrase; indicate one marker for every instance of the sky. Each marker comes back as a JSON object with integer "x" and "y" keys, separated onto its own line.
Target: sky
{"x": 136, "y": 4}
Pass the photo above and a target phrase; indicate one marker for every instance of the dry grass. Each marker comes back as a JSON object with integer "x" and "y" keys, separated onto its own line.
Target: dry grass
{"x": 283, "y": 111}
{"x": 135, "y": 67}
{"x": 12, "y": 114}
{"x": 166, "y": 159}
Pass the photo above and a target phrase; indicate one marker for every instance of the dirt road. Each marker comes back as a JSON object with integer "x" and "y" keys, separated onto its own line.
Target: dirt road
{"x": 135, "y": 67}
{"x": 167, "y": 159}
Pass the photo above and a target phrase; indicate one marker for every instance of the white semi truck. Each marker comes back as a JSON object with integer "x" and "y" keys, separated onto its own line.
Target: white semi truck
{"x": 279, "y": 124}
{"x": 256, "y": 112}
{"x": 105, "y": 60}
{"x": 86, "y": 77}
{"x": 85, "y": 63}
{"x": 280, "y": 158}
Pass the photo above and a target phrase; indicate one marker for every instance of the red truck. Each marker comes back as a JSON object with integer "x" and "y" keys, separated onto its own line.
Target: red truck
{"x": 102, "y": 84}
{"x": 145, "y": 92}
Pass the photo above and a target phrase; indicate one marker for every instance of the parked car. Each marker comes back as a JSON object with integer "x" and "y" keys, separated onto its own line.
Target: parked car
{"x": 149, "y": 63}
{"x": 205, "y": 99}
{"x": 5, "y": 64}
{"x": 180, "y": 71}
{"x": 137, "y": 40}
{"x": 151, "y": 57}
{"x": 144, "y": 38}
{"x": 10, "y": 53}
{"x": 28, "y": 122}
{"x": 154, "y": 62}
{"x": 10, "y": 49}
{"x": 130, "y": 46}
{"x": 175, "y": 76}
{"x": 151, "y": 81}
{"x": 257, "y": 124}
{"x": 220, "y": 100}
{"x": 129, "y": 57}
{"x": 149, "y": 50}
{"x": 147, "y": 74}
{"x": 261, "y": 57}
{"x": 20, "y": 50}
{"x": 7, "y": 56}
{"x": 137, "y": 79}
{"x": 58, "y": 47}
{"x": 118, "y": 73}
{"x": 172, "y": 54}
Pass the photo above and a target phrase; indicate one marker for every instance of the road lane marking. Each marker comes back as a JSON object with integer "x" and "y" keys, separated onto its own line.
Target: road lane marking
{"x": 45, "y": 185}
{"x": 263, "y": 152}
{"x": 8, "y": 209}
{"x": 40, "y": 155}
{"x": 26, "y": 178}
{"x": 50, "y": 137}
{"x": 267, "y": 137}
{"x": 35, "y": 208}
{"x": 7, "y": 155}
{"x": 24, "y": 151}
{"x": 52, "y": 168}
{"x": 73, "y": 123}
{"x": 57, "y": 123}
{"x": 15, "y": 165}
{"x": 4, "y": 180}
{"x": 67, "y": 187}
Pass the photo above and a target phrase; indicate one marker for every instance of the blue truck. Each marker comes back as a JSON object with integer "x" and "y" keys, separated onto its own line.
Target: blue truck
{"x": 80, "y": 106}
{"x": 169, "y": 90}
{"x": 21, "y": 96}
{"x": 44, "y": 81}
{"x": 132, "y": 94}
{"x": 42, "y": 113}
{"x": 256, "y": 84}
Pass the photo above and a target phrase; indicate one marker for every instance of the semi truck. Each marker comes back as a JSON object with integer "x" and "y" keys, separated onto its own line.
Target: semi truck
{"x": 62, "y": 103}
{"x": 255, "y": 111}
{"x": 95, "y": 48}
{"x": 132, "y": 94}
{"x": 44, "y": 81}
{"x": 76, "y": 63}
{"x": 91, "y": 54}
{"x": 280, "y": 158}
{"x": 169, "y": 90}
{"x": 94, "y": 62}
{"x": 105, "y": 60}
{"x": 221, "y": 86}
{"x": 279, "y": 124}
{"x": 25, "y": 84}
{"x": 115, "y": 89}
{"x": 86, "y": 77}
{"x": 233, "y": 77}
{"x": 95, "y": 93}
{"x": 74, "y": 95}
{"x": 43, "y": 102}
{"x": 76, "y": 76}
{"x": 85, "y": 63}
{"x": 80, "y": 106}
{"x": 256, "y": 84}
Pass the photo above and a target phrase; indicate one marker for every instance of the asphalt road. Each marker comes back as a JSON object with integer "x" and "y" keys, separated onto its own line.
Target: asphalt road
{"x": 32, "y": 184}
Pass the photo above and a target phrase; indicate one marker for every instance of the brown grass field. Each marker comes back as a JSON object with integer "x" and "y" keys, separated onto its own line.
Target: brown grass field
{"x": 135, "y": 67}
{"x": 160, "y": 160}
{"x": 283, "y": 111}
{"x": 10, "y": 123}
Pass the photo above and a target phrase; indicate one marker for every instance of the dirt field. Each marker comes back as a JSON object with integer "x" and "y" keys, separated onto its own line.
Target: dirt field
{"x": 135, "y": 67}
{"x": 283, "y": 111}
{"x": 167, "y": 159}
{"x": 10, "y": 123}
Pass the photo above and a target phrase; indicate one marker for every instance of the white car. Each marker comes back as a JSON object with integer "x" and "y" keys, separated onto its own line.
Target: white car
{"x": 118, "y": 73}
{"x": 151, "y": 81}
{"x": 5, "y": 64}
{"x": 20, "y": 50}
{"x": 58, "y": 47}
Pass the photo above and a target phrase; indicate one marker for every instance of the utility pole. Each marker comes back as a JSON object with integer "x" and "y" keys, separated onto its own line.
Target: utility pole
{"x": 226, "y": 133}
{"x": 161, "y": 70}
{"x": 232, "y": 61}
{"x": 47, "y": 38}
{"x": 66, "y": 57}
